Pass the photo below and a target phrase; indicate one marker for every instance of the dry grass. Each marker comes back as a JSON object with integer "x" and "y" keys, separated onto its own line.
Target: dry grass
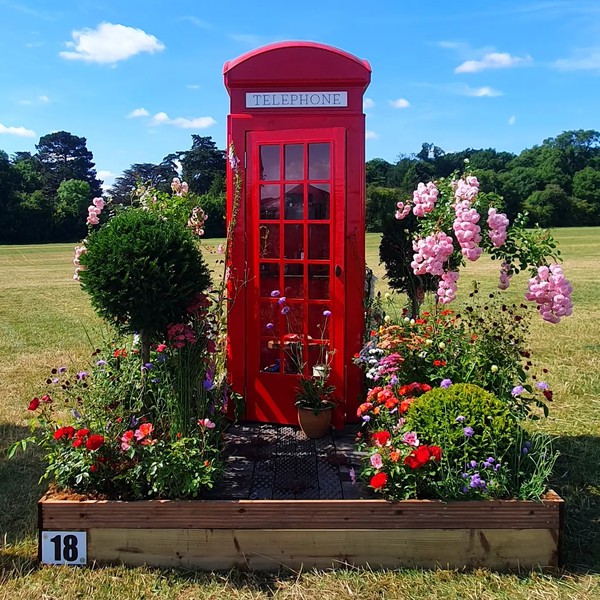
{"x": 45, "y": 320}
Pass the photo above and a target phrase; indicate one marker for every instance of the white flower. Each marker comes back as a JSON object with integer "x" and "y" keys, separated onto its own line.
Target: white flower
{"x": 441, "y": 345}
{"x": 494, "y": 369}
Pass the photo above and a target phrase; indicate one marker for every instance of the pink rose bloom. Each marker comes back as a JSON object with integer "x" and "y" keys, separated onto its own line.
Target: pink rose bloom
{"x": 376, "y": 461}
{"x": 410, "y": 438}
{"x": 98, "y": 203}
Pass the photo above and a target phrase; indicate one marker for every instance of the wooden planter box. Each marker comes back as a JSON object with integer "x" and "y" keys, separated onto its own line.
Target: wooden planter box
{"x": 268, "y": 534}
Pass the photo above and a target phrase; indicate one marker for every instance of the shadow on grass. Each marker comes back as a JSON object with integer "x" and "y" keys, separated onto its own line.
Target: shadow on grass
{"x": 577, "y": 479}
{"x": 19, "y": 488}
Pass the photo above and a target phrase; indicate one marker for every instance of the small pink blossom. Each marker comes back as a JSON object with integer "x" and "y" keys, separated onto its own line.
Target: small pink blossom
{"x": 410, "y": 438}
{"x": 376, "y": 460}
{"x": 207, "y": 423}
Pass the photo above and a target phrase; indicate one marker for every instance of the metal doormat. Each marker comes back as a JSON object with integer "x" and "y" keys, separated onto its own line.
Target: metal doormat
{"x": 278, "y": 462}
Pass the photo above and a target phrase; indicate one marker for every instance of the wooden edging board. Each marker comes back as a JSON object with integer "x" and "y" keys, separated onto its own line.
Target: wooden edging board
{"x": 268, "y": 534}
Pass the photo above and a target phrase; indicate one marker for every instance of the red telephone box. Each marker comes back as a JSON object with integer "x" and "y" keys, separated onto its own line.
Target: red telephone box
{"x": 297, "y": 126}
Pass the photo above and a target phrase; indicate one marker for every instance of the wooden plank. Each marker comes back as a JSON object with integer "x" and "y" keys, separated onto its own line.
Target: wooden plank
{"x": 295, "y": 514}
{"x": 499, "y": 549}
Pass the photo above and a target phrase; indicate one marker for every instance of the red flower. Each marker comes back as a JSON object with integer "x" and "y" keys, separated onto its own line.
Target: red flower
{"x": 439, "y": 363}
{"x": 378, "y": 480}
{"x": 34, "y": 404}
{"x": 548, "y": 395}
{"x": 161, "y": 347}
{"x": 380, "y": 438}
{"x": 82, "y": 433}
{"x": 94, "y": 442}
{"x": 62, "y": 432}
{"x": 93, "y": 468}
{"x": 46, "y": 399}
{"x": 77, "y": 443}
{"x": 120, "y": 353}
{"x": 436, "y": 452}
{"x": 405, "y": 404}
{"x": 422, "y": 454}
{"x": 411, "y": 461}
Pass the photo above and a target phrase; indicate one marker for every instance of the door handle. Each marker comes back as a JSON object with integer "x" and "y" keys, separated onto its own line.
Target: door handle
{"x": 338, "y": 271}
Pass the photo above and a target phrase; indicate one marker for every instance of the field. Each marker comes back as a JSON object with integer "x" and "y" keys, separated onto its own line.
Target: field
{"x": 46, "y": 321}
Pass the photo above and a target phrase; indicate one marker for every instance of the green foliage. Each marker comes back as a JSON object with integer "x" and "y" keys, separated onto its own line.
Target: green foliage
{"x": 434, "y": 416}
{"x": 141, "y": 272}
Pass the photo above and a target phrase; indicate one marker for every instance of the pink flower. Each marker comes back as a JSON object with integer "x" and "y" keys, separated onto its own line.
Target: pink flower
{"x": 207, "y": 423}
{"x": 144, "y": 430}
{"x": 376, "y": 460}
{"x": 98, "y": 203}
{"x": 410, "y": 438}
{"x": 126, "y": 438}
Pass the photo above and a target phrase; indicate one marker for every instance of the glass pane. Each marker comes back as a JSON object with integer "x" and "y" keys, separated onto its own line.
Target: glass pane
{"x": 293, "y": 281}
{"x": 269, "y": 321}
{"x": 318, "y": 282}
{"x": 318, "y": 161}
{"x": 269, "y": 279}
{"x": 294, "y": 202}
{"x": 269, "y": 358}
{"x": 294, "y": 161}
{"x": 318, "y": 242}
{"x": 318, "y": 354}
{"x": 269, "y": 241}
{"x": 293, "y": 243}
{"x": 293, "y": 325}
{"x": 318, "y": 323}
{"x": 318, "y": 201}
{"x": 269, "y": 163}
{"x": 269, "y": 201}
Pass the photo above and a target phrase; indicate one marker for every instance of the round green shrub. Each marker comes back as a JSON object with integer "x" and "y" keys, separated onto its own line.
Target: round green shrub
{"x": 466, "y": 421}
{"x": 142, "y": 272}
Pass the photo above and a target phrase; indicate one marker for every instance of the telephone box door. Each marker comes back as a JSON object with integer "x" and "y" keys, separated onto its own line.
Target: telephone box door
{"x": 295, "y": 271}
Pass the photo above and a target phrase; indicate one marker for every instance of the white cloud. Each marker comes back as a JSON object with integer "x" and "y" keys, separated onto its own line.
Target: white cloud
{"x": 18, "y": 131}
{"x": 162, "y": 118}
{"x": 109, "y": 43}
{"x": 587, "y": 60}
{"x": 368, "y": 103}
{"x": 39, "y": 99}
{"x": 512, "y": 120}
{"x": 371, "y": 135}
{"x": 197, "y": 22}
{"x": 193, "y": 86}
{"x": 493, "y": 60}
{"x": 43, "y": 99}
{"x": 451, "y": 45}
{"x": 108, "y": 178}
{"x": 400, "y": 103}
{"x": 138, "y": 112}
{"x": 481, "y": 92}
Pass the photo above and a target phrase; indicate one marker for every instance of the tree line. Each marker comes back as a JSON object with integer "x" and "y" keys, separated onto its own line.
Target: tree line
{"x": 557, "y": 183}
{"x": 44, "y": 196}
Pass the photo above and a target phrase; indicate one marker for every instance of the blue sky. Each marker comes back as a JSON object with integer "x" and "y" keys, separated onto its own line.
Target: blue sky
{"x": 137, "y": 78}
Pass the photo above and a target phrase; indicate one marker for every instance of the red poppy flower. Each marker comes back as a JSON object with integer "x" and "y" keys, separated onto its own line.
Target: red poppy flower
{"x": 548, "y": 395}
{"x": 405, "y": 404}
{"x": 411, "y": 461}
{"x": 161, "y": 347}
{"x": 436, "y": 452}
{"x": 62, "y": 432}
{"x": 77, "y": 443}
{"x": 378, "y": 480}
{"x": 380, "y": 437}
{"x": 120, "y": 353}
{"x": 422, "y": 454}
{"x": 34, "y": 404}
{"x": 82, "y": 433}
{"x": 94, "y": 442}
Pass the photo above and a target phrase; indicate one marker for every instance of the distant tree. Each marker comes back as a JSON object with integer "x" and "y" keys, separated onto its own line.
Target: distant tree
{"x": 202, "y": 164}
{"x": 158, "y": 176}
{"x": 549, "y": 207}
{"x": 380, "y": 206}
{"x": 70, "y": 209}
{"x": 377, "y": 171}
{"x": 64, "y": 156}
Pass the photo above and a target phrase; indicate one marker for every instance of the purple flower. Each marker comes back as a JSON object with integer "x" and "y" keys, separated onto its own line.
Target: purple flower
{"x": 133, "y": 422}
{"x": 281, "y": 300}
{"x": 446, "y": 383}
{"x": 208, "y": 384}
{"x": 62, "y": 369}
{"x": 517, "y": 390}
{"x": 468, "y": 432}
{"x": 148, "y": 366}
{"x": 327, "y": 313}
{"x": 285, "y": 310}
{"x": 101, "y": 363}
{"x": 275, "y": 294}
{"x": 270, "y": 326}
{"x": 81, "y": 375}
{"x": 477, "y": 482}
{"x": 366, "y": 418}
{"x": 497, "y": 466}
{"x": 473, "y": 463}
{"x": 542, "y": 385}
{"x": 76, "y": 414}
{"x": 459, "y": 419}
{"x": 393, "y": 380}
{"x": 352, "y": 474}
{"x": 155, "y": 380}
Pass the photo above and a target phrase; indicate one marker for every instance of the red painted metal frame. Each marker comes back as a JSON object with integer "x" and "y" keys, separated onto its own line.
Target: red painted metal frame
{"x": 300, "y": 66}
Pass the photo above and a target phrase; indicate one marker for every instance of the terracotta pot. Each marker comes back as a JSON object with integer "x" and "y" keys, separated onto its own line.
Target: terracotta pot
{"x": 314, "y": 426}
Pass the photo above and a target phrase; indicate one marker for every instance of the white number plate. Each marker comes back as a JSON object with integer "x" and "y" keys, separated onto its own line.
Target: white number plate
{"x": 64, "y": 547}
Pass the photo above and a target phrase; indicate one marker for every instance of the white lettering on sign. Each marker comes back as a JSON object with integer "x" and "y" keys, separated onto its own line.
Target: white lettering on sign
{"x": 296, "y": 99}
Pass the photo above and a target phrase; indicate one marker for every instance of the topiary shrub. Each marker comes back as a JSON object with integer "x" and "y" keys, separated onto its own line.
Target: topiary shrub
{"x": 468, "y": 423}
{"x": 142, "y": 273}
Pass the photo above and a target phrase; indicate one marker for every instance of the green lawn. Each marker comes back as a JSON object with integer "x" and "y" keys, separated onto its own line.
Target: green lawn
{"x": 45, "y": 321}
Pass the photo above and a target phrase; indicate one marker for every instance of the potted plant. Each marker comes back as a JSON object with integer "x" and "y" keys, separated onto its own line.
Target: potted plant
{"x": 315, "y": 401}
